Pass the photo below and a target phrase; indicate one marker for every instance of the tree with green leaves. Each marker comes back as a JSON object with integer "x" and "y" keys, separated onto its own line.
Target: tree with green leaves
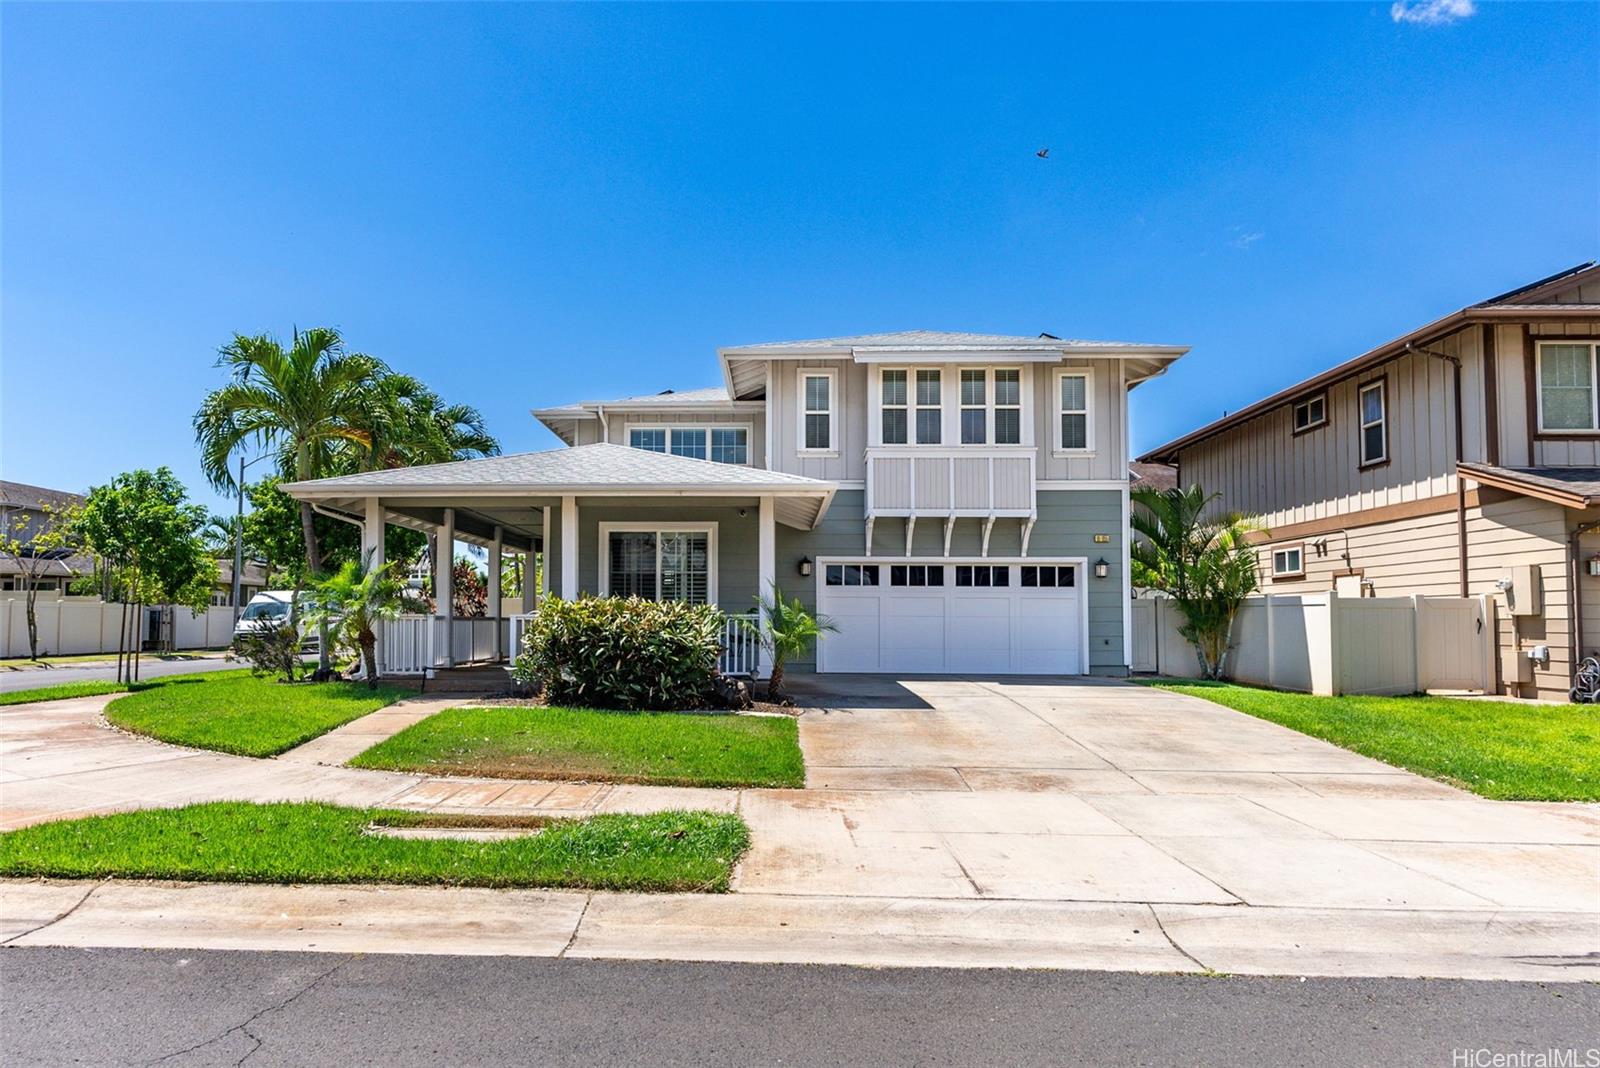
{"x": 35, "y": 542}
{"x": 785, "y": 630}
{"x": 1203, "y": 561}
{"x": 149, "y": 538}
{"x": 272, "y": 532}
{"x": 353, "y": 600}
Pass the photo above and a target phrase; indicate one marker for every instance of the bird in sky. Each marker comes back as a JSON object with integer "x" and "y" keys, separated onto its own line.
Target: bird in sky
{"x": 1043, "y": 153}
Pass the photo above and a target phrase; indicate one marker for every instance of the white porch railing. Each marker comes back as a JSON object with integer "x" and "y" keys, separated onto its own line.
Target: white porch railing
{"x": 741, "y": 652}
{"x": 519, "y": 627}
{"x": 415, "y": 644}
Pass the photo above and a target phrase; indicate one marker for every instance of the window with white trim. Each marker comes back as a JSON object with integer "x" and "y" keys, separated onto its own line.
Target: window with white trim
{"x": 893, "y": 406}
{"x": 1567, "y": 395}
{"x": 1372, "y": 404}
{"x": 723, "y": 444}
{"x": 1072, "y": 411}
{"x": 930, "y": 408}
{"x": 650, "y": 439}
{"x": 1007, "y": 406}
{"x": 1310, "y": 413}
{"x": 974, "y": 407}
{"x": 816, "y": 411}
{"x": 1288, "y": 562}
{"x": 660, "y": 565}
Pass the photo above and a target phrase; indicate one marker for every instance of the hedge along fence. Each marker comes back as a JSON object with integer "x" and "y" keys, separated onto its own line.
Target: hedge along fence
{"x": 626, "y": 653}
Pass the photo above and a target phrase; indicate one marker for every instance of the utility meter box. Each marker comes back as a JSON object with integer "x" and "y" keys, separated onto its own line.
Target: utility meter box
{"x": 1525, "y": 597}
{"x": 1515, "y": 666}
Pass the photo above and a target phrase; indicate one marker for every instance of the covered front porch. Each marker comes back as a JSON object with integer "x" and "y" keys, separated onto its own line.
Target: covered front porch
{"x": 596, "y": 520}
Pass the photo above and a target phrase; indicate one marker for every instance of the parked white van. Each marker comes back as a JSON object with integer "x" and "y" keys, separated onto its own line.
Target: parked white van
{"x": 271, "y": 608}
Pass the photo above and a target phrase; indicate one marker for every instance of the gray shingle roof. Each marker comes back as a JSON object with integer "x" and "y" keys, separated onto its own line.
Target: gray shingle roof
{"x": 937, "y": 339}
{"x": 670, "y": 398}
{"x": 585, "y": 468}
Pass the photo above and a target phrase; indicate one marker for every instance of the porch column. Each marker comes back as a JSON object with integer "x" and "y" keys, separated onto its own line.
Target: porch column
{"x": 494, "y": 592}
{"x": 372, "y": 531}
{"x": 766, "y": 560}
{"x": 569, "y": 548}
{"x": 444, "y": 586}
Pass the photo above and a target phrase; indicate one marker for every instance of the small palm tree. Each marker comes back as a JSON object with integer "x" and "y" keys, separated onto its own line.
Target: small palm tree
{"x": 785, "y": 630}
{"x": 353, "y": 600}
{"x": 1205, "y": 562}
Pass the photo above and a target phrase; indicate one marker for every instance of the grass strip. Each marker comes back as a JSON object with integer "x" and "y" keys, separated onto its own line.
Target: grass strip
{"x": 240, "y": 842}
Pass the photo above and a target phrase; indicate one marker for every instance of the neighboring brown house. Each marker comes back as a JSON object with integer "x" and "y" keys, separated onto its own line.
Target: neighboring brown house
{"x": 1160, "y": 477}
{"x": 1460, "y": 459}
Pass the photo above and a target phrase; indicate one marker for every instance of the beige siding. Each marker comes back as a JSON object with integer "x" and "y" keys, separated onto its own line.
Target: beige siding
{"x": 1264, "y": 469}
{"x": 1418, "y": 556}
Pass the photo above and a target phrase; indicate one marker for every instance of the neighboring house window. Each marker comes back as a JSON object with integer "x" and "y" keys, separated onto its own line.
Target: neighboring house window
{"x": 1310, "y": 413}
{"x": 930, "y": 408}
{"x": 670, "y": 564}
{"x": 1373, "y": 405}
{"x": 1007, "y": 406}
{"x": 816, "y": 411}
{"x": 648, "y": 440}
{"x": 1072, "y": 404}
{"x": 894, "y": 407}
{"x": 1567, "y": 395}
{"x": 1288, "y": 562}
{"x": 974, "y": 408}
{"x": 728, "y": 445}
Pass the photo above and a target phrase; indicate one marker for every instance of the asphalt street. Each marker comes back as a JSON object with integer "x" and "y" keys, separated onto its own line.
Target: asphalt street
{"x": 149, "y": 668}
{"x": 186, "y": 1008}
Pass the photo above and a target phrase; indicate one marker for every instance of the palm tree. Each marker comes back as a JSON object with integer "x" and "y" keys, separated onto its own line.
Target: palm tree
{"x": 789, "y": 631}
{"x": 218, "y": 534}
{"x": 305, "y": 402}
{"x": 1204, "y": 562}
{"x": 353, "y": 600}
{"x": 407, "y": 423}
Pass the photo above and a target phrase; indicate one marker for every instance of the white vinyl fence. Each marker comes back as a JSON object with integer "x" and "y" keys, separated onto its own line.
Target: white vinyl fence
{"x": 1325, "y": 644}
{"x": 70, "y": 626}
{"x": 415, "y": 644}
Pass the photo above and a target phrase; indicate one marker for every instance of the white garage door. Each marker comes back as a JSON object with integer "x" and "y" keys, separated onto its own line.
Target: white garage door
{"x": 976, "y": 617}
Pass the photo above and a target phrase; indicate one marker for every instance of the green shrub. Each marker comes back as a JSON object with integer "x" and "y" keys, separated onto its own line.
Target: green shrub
{"x": 610, "y": 652}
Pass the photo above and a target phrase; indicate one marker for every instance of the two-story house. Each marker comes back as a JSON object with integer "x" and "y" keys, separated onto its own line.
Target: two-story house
{"x": 954, "y": 502}
{"x": 1460, "y": 459}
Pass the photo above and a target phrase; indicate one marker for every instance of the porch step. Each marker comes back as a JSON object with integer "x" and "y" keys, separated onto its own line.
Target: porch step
{"x": 486, "y": 678}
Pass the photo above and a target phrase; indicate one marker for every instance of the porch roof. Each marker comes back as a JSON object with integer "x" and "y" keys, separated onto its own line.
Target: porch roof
{"x": 583, "y": 470}
{"x": 1574, "y": 487}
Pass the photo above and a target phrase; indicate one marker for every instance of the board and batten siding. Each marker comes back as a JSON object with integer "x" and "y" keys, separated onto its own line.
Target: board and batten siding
{"x": 1264, "y": 469}
{"x": 1556, "y": 450}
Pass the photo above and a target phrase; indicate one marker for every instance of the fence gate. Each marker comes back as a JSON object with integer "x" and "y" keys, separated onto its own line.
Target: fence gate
{"x": 1455, "y": 643}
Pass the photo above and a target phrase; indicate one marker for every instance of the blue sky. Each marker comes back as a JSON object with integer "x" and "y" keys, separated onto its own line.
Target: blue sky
{"x": 527, "y": 205}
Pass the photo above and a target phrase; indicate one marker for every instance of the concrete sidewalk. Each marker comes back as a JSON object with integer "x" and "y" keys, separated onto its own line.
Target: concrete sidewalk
{"x": 879, "y": 932}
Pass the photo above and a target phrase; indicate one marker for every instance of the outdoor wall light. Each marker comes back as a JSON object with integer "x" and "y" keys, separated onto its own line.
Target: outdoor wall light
{"x": 1101, "y": 568}
{"x": 805, "y": 567}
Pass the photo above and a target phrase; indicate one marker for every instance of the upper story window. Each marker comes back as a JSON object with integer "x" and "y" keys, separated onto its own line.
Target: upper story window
{"x": 724, "y": 444}
{"x": 1310, "y": 413}
{"x": 1072, "y": 411}
{"x": 974, "y": 407}
{"x": 817, "y": 390}
{"x": 1372, "y": 403}
{"x": 1007, "y": 406}
{"x": 1567, "y": 394}
{"x": 894, "y": 411}
{"x": 930, "y": 408}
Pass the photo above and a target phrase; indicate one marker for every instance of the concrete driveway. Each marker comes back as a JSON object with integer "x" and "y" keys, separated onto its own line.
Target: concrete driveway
{"x": 1085, "y": 790}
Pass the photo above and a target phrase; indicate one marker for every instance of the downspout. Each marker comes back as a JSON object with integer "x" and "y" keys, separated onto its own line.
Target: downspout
{"x": 1461, "y": 488}
{"x": 1574, "y": 612}
{"x": 605, "y": 424}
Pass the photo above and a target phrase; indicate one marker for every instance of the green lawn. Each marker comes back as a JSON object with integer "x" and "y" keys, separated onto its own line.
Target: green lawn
{"x": 666, "y": 749}
{"x": 231, "y": 841}
{"x": 1497, "y": 749}
{"x": 234, "y": 712}
{"x": 62, "y": 691}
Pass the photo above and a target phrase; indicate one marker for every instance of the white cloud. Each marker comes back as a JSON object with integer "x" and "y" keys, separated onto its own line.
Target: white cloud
{"x": 1245, "y": 239}
{"x": 1432, "y": 12}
